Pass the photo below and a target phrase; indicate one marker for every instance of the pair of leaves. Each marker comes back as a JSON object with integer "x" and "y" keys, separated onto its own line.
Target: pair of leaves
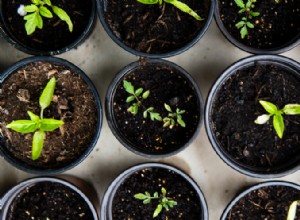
{"x": 178, "y": 4}
{"x": 38, "y": 124}
{"x": 278, "y": 122}
{"x": 38, "y": 10}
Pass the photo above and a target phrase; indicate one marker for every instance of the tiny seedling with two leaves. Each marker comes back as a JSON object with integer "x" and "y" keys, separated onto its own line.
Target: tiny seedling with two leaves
{"x": 247, "y": 9}
{"x": 163, "y": 201}
{"x": 277, "y": 114}
{"x": 39, "y": 9}
{"x": 178, "y": 4}
{"x": 38, "y": 124}
{"x": 137, "y": 96}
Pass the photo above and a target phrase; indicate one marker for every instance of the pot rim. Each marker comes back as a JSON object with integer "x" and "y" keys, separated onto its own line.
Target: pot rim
{"x": 16, "y": 163}
{"x": 109, "y": 108}
{"x": 101, "y": 8}
{"x": 106, "y": 203}
{"x": 285, "y": 62}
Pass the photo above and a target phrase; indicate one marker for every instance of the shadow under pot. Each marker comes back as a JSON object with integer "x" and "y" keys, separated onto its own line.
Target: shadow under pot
{"x": 47, "y": 198}
{"x": 41, "y": 29}
{"x": 44, "y": 131}
{"x": 128, "y": 196}
{"x": 251, "y": 116}
{"x": 268, "y": 200}
{"x": 154, "y": 108}
{"x": 260, "y": 27}
{"x": 155, "y": 30}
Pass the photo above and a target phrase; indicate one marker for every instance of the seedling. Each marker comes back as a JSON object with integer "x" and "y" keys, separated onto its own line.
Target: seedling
{"x": 163, "y": 200}
{"x": 39, "y": 9}
{"x": 278, "y": 123}
{"x": 247, "y": 9}
{"x": 178, "y": 4}
{"x": 170, "y": 120}
{"x": 38, "y": 124}
{"x": 292, "y": 210}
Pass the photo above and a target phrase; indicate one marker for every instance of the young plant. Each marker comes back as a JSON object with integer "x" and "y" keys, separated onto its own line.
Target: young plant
{"x": 292, "y": 210}
{"x": 38, "y": 124}
{"x": 178, "y": 4}
{"x": 247, "y": 9}
{"x": 39, "y": 9}
{"x": 163, "y": 200}
{"x": 170, "y": 120}
{"x": 277, "y": 114}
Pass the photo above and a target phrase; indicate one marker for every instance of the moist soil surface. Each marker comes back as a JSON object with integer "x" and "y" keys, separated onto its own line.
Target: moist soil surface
{"x": 278, "y": 23}
{"x": 166, "y": 85}
{"x": 73, "y": 102}
{"x": 55, "y": 34}
{"x": 49, "y": 200}
{"x": 236, "y": 106}
{"x": 125, "y": 206}
{"x": 268, "y": 203}
{"x": 155, "y": 28}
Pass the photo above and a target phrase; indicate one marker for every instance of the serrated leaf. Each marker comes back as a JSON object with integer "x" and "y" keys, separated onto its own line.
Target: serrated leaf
{"x": 31, "y": 23}
{"x": 292, "y": 211}
{"x": 239, "y": 3}
{"x": 47, "y": 94}
{"x": 185, "y": 8}
{"x": 140, "y": 196}
{"x": 31, "y": 8}
{"x": 37, "y": 144}
{"x": 128, "y": 87}
{"x": 138, "y": 91}
{"x": 48, "y": 124}
{"x": 167, "y": 107}
{"x": 155, "y": 116}
{"x": 33, "y": 117}
{"x": 278, "y": 124}
{"x": 150, "y": 109}
{"x": 146, "y": 94}
{"x": 157, "y": 210}
{"x": 23, "y": 126}
{"x": 130, "y": 99}
{"x": 250, "y": 25}
{"x": 291, "y": 109}
{"x": 46, "y": 12}
{"x": 269, "y": 107}
{"x": 244, "y": 32}
{"x": 63, "y": 16}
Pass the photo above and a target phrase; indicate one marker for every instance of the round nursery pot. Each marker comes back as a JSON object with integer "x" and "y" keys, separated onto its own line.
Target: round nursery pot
{"x": 154, "y": 31}
{"x": 268, "y": 200}
{"x": 233, "y": 104}
{"x": 75, "y": 101}
{"x": 141, "y": 131}
{"x": 274, "y": 28}
{"x": 55, "y": 37}
{"x": 119, "y": 201}
{"x": 46, "y": 198}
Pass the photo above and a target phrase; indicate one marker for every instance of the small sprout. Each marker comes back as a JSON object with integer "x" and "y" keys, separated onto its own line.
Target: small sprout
{"x": 170, "y": 120}
{"x": 163, "y": 200}
{"x": 34, "y": 13}
{"x": 38, "y": 124}
{"x": 178, "y": 4}
{"x": 244, "y": 24}
{"x": 292, "y": 210}
{"x": 278, "y": 122}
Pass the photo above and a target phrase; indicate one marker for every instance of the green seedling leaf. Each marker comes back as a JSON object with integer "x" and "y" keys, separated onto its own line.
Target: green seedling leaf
{"x": 147, "y": 201}
{"x": 48, "y": 2}
{"x": 262, "y": 119}
{"x": 47, "y": 94}
{"x": 155, "y": 195}
{"x": 163, "y": 191}
{"x": 148, "y": 2}
{"x": 184, "y": 8}
{"x": 23, "y": 126}
{"x": 128, "y": 87}
{"x": 138, "y": 91}
{"x": 155, "y": 116}
{"x": 50, "y": 124}
{"x": 33, "y": 117}
{"x": 46, "y": 12}
{"x": 244, "y": 32}
{"x": 240, "y": 24}
{"x": 63, "y": 16}
{"x": 250, "y": 25}
{"x": 278, "y": 124}
{"x": 291, "y": 109}
{"x": 180, "y": 121}
{"x": 269, "y": 107}
{"x": 145, "y": 114}
{"x": 32, "y": 22}
{"x": 254, "y": 14}
{"x": 172, "y": 203}
{"x": 31, "y": 8}
{"x": 37, "y": 144}
{"x": 292, "y": 210}
{"x": 36, "y": 2}
{"x": 166, "y": 124}
{"x": 239, "y": 3}
{"x": 157, "y": 210}
{"x": 146, "y": 94}
{"x": 130, "y": 99}
{"x": 140, "y": 196}
{"x": 248, "y": 4}
{"x": 168, "y": 108}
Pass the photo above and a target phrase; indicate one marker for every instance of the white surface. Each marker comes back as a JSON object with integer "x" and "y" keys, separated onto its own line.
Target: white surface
{"x": 101, "y": 58}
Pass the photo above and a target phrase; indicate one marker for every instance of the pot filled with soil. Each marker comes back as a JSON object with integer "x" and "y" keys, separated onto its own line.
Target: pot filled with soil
{"x": 252, "y": 116}
{"x": 50, "y": 114}
{"x": 156, "y": 28}
{"x": 47, "y": 198}
{"x": 268, "y": 200}
{"x": 154, "y": 108}
{"x": 44, "y": 27}
{"x": 153, "y": 190}
{"x": 260, "y": 27}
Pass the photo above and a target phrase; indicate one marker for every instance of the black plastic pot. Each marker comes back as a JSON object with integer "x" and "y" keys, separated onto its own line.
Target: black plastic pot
{"x": 22, "y": 165}
{"x": 258, "y": 186}
{"x": 109, "y": 108}
{"x": 102, "y": 5}
{"x": 291, "y": 165}
{"x": 76, "y": 185}
{"x": 106, "y": 204}
{"x": 11, "y": 39}
{"x": 286, "y": 46}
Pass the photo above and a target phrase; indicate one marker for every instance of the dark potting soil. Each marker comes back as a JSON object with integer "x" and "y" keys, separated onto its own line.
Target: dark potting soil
{"x": 73, "y": 102}
{"x": 153, "y": 28}
{"x": 168, "y": 86}
{"x": 55, "y": 33}
{"x": 49, "y": 200}
{"x": 125, "y": 206}
{"x": 268, "y": 203}
{"x": 236, "y": 106}
{"x": 277, "y": 24}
